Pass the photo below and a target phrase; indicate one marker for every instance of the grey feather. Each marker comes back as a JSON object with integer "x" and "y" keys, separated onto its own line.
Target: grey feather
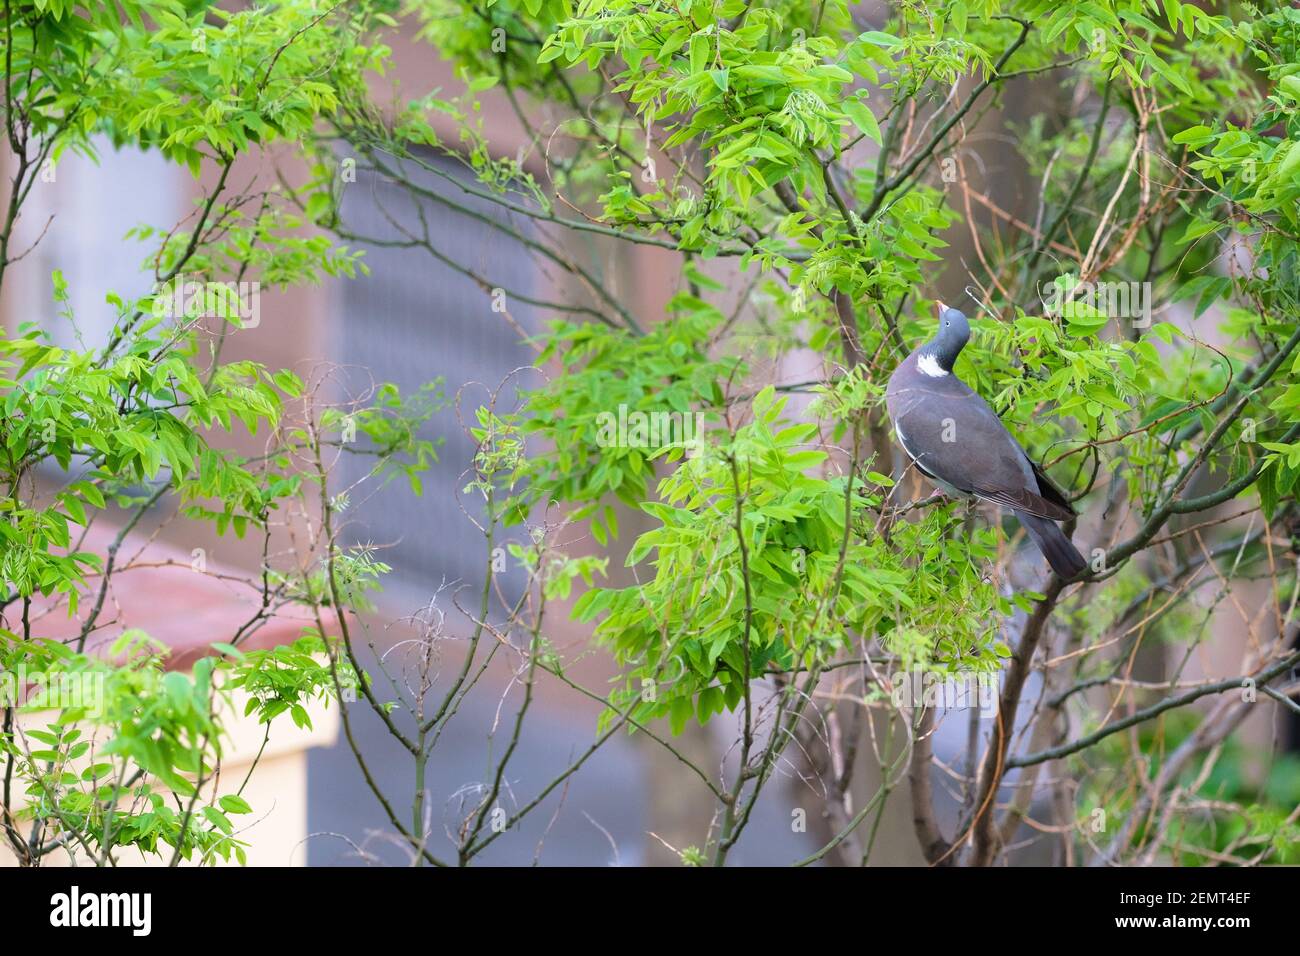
{"x": 957, "y": 441}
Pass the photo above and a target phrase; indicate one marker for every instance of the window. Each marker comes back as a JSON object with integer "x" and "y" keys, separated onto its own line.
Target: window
{"x": 92, "y": 205}
{"x": 410, "y": 321}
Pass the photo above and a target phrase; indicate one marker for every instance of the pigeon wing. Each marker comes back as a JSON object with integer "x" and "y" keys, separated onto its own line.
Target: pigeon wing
{"x": 1026, "y": 501}
{"x": 1048, "y": 490}
{"x": 952, "y": 434}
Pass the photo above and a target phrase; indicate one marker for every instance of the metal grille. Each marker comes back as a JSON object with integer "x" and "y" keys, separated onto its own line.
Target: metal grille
{"x": 410, "y": 321}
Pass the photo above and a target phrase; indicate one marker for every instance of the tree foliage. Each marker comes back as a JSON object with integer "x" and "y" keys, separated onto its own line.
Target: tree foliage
{"x": 816, "y": 176}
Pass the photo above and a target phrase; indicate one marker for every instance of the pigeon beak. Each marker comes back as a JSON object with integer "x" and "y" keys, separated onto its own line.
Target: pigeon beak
{"x": 942, "y": 308}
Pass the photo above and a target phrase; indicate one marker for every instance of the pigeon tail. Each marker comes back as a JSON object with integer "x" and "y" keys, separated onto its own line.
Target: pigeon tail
{"x": 1059, "y": 551}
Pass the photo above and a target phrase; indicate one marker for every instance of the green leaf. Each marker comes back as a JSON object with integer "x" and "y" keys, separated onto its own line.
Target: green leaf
{"x": 234, "y": 803}
{"x": 218, "y": 819}
{"x": 884, "y": 40}
{"x": 863, "y": 119}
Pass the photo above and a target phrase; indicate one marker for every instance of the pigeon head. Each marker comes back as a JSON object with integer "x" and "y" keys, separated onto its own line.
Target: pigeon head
{"x": 948, "y": 341}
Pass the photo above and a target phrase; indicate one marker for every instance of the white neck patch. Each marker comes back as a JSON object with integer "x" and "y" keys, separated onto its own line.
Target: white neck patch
{"x": 929, "y": 365}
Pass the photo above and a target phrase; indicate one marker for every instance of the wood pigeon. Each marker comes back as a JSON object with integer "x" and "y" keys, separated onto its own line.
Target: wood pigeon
{"x": 957, "y": 441}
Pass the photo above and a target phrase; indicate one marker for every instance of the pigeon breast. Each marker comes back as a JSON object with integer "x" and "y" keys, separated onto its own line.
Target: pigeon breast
{"x": 954, "y": 437}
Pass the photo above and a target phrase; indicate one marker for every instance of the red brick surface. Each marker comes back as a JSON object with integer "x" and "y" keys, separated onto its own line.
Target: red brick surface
{"x": 155, "y": 588}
